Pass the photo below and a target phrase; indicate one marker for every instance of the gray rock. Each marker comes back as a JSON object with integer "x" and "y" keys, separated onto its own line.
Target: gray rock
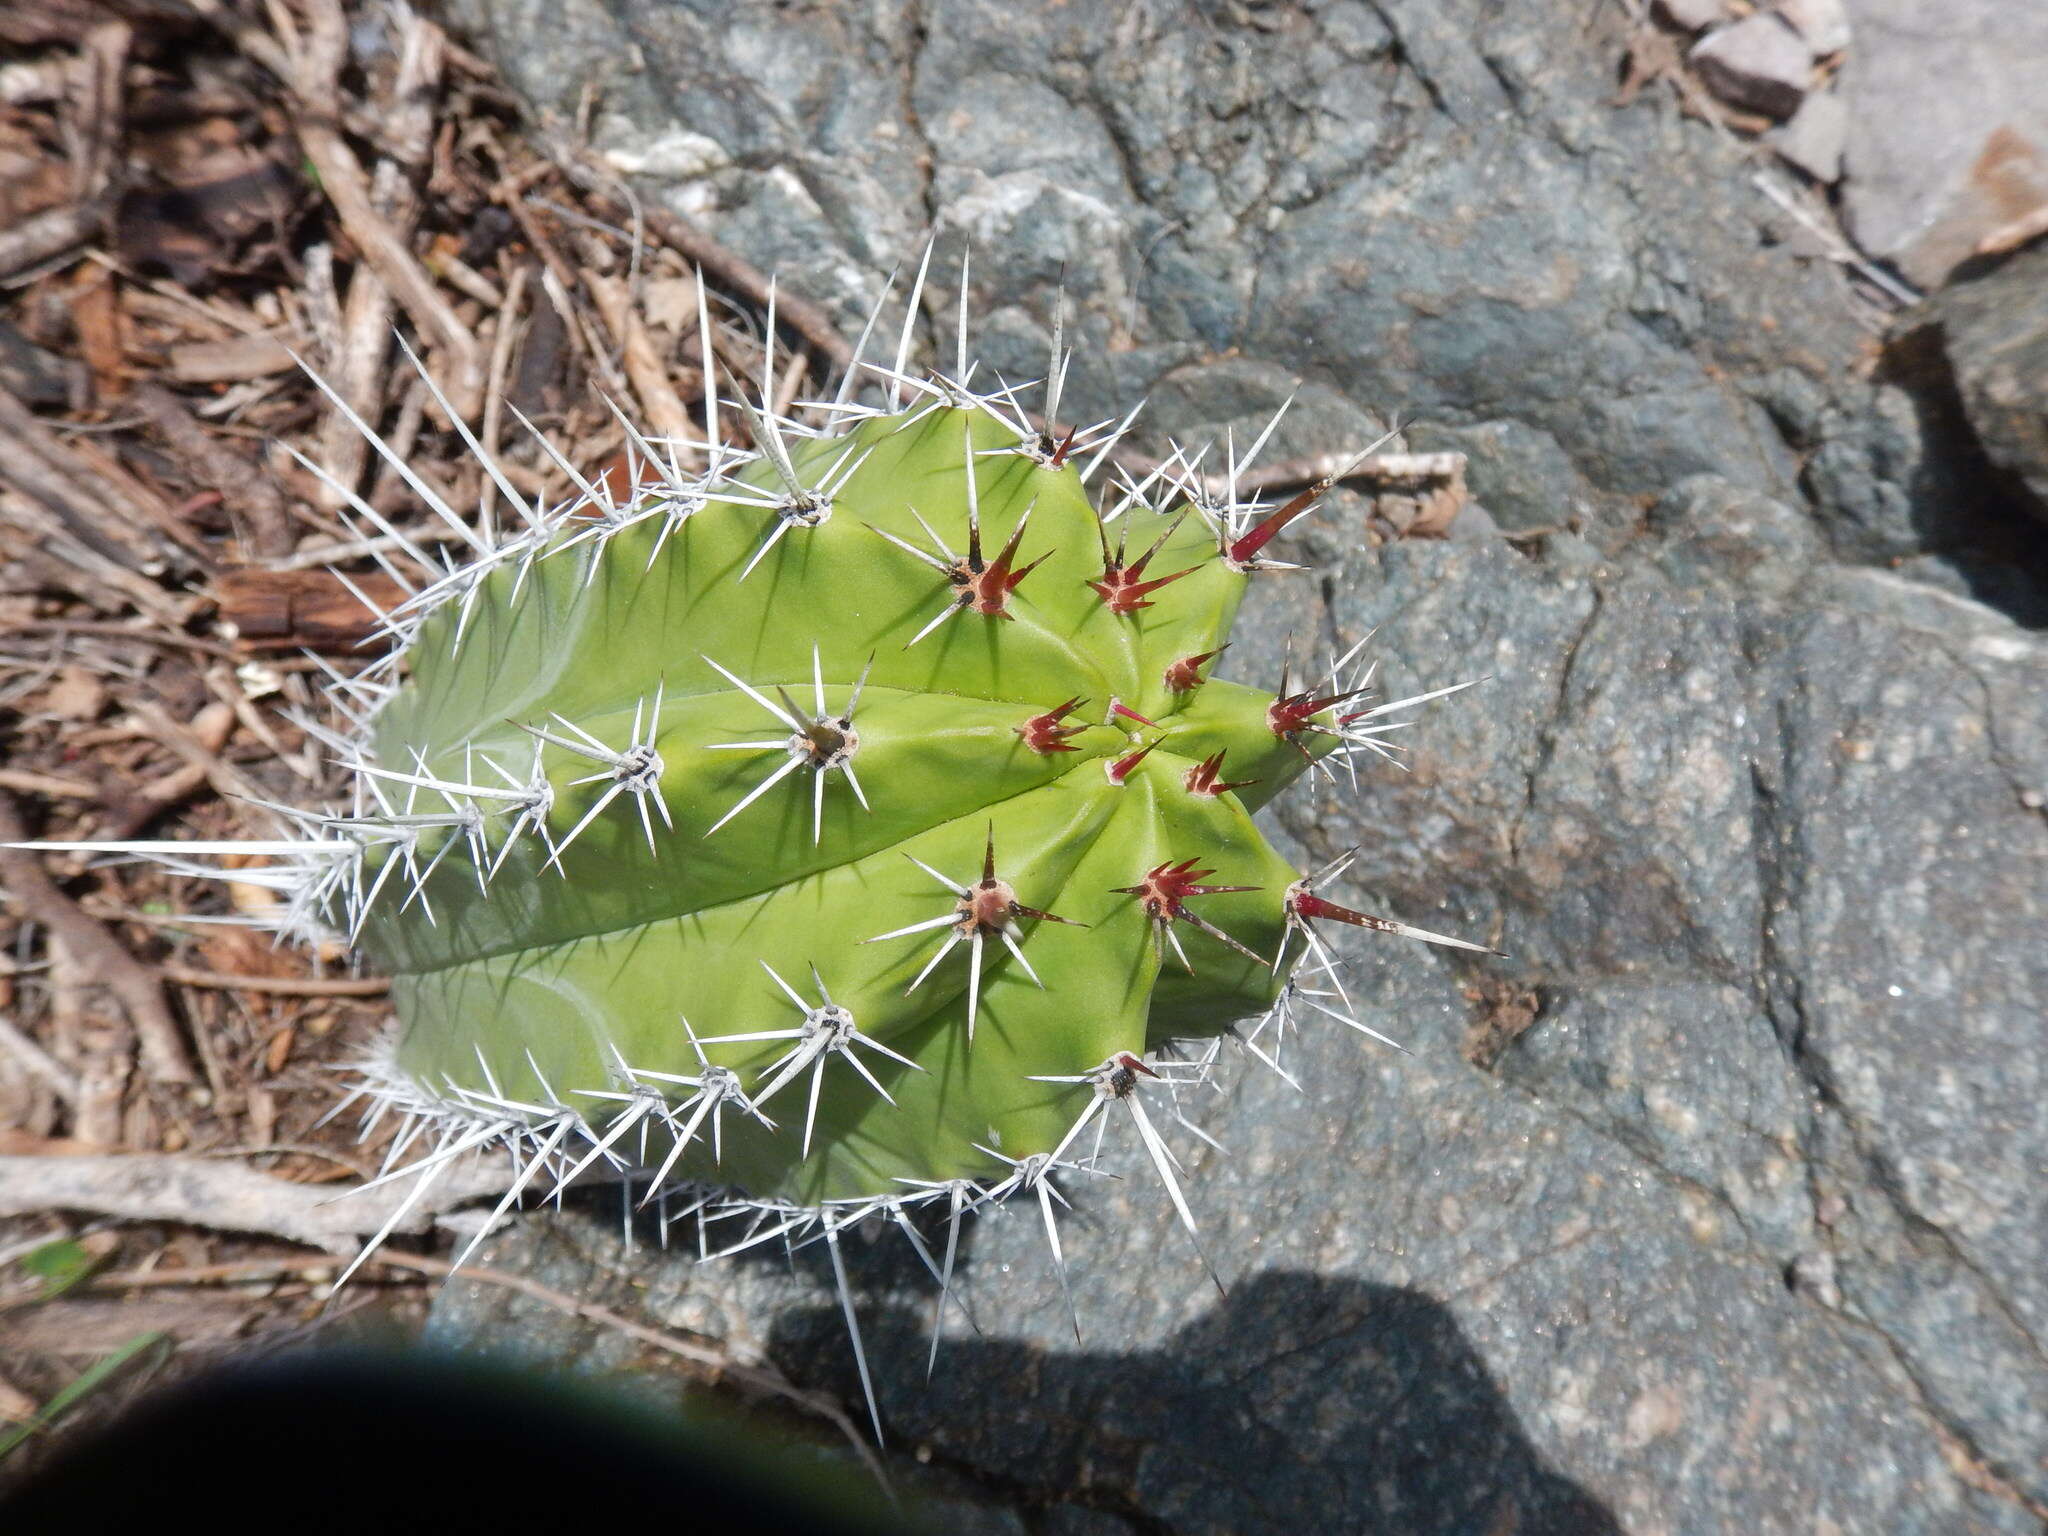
{"x": 1948, "y": 134}
{"x": 1716, "y": 533}
{"x": 1518, "y": 472}
{"x": 1903, "y": 480}
{"x": 1824, "y": 24}
{"x": 1682, "y": 1218}
{"x": 1814, "y": 138}
{"x": 970, "y": 1519}
{"x": 1745, "y": 1226}
{"x": 1431, "y": 212}
{"x": 1759, "y": 62}
{"x": 1995, "y": 334}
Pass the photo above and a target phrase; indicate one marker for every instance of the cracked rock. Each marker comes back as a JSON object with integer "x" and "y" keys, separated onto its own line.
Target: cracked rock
{"x": 1760, "y": 826}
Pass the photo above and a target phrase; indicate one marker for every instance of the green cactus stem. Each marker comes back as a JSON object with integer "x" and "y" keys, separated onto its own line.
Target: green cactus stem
{"x": 844, "y": 827}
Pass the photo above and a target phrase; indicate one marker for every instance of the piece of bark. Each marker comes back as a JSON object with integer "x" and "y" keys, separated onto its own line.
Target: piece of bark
{"x": 302, "y": 608}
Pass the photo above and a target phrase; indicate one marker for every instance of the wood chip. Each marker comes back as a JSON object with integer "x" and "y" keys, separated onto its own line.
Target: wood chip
{"x": 75, "y": 695}
{"x": 302, "y": 608}
{"x": 232, "y": 361}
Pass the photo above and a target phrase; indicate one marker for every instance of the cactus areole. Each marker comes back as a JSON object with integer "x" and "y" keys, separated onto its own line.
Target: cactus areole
{"x": 843, "y": 826}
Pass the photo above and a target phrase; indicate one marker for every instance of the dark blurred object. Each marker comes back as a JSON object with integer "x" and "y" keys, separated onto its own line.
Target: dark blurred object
{"x": 201, "y": 218}
{"x": 489, "y": 230}
{"x": 35, "y": 375}
{"x": 370, "y": 1444}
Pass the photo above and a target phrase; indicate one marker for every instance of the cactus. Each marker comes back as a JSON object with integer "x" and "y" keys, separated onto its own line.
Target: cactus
{"x": 846, "y": 827}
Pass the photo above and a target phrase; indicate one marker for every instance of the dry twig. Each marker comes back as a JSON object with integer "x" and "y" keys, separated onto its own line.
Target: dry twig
{"x": 653, "y": 381}
{"x": 169, "y": 639}
{"x": 246, "y": 487}
{"x": 281, "y": 986}
{"x": 31, "y": 783}
{"x": 91, "y": 124}
{"x": 50, "y": 233}
{"x": 39, "y": 1062}
{"x": 105, "y": 512}
{"x": 199, "y": 745}
{"x": 719, "y": 263}
{"x": 222, "y": 1197}
{"x": 382, "y": 235}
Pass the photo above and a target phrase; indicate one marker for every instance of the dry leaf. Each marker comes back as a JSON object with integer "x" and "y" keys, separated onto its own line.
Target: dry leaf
{"x": 16, "y": 1406}
{"x": 670, "y": 304}
{"x": 76, "y": 695}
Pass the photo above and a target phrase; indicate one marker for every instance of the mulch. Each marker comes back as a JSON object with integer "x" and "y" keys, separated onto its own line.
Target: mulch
{"x": 195, "y": 199}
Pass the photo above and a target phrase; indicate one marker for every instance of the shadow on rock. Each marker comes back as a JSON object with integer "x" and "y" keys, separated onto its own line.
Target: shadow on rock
{"x": 1298, "y": 1403}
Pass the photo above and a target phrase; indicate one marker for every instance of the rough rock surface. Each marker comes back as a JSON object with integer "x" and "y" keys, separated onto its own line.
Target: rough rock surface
{"x": 1995, "y": 334}
{"x": 1823, "y": 23}
{"x": 1718, "y": 1204}
{"x": 1949, "y": 132}
{"x": 1814, "y": 138}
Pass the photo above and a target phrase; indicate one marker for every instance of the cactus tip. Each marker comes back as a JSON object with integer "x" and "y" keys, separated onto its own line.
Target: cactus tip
{"x": 1119, "y": 769}
{"x": 1185, "y": 674}
{"x": 1163, "y": 894}
{"x": 1206, "y": 777}
{"x": 1046, "y": 733}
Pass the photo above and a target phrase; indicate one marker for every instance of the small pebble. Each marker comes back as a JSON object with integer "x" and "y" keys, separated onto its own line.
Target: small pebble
{"x": 1759, "y": 63}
